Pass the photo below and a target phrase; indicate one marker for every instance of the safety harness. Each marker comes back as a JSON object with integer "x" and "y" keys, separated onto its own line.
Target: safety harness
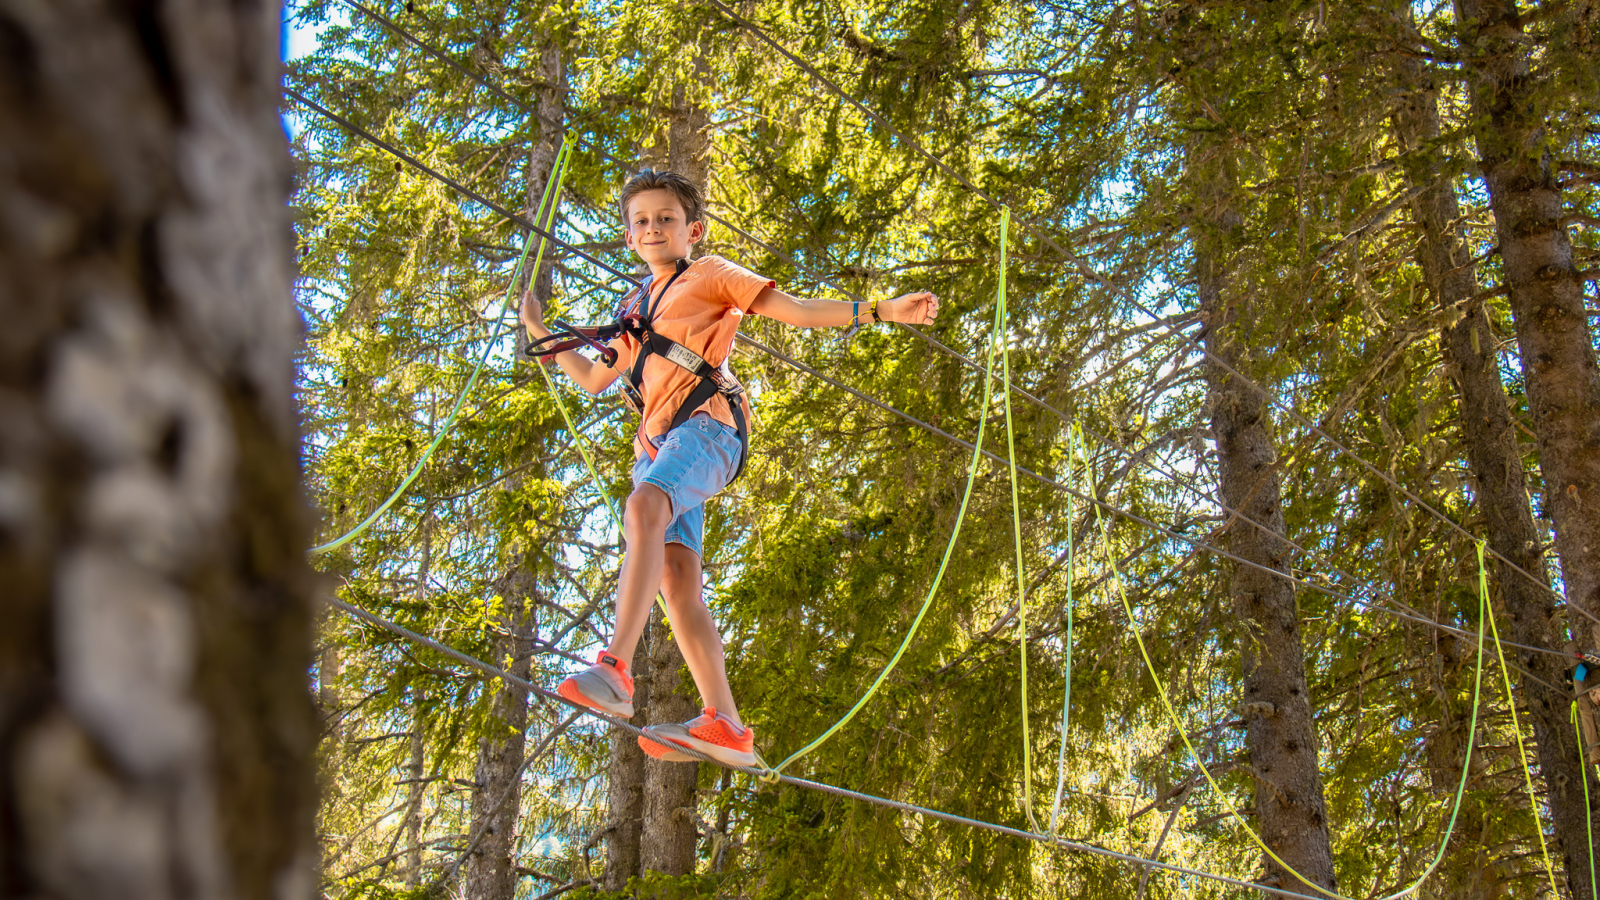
{"x": 637, "y": 325}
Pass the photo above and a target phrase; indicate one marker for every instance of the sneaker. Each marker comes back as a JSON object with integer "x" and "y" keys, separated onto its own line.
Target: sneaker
{"x": 605, "y": 686}
{"x": 714, "y": 735}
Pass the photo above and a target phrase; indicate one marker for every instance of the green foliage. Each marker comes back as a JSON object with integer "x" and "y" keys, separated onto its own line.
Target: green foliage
{"x": 1086, "y": 118}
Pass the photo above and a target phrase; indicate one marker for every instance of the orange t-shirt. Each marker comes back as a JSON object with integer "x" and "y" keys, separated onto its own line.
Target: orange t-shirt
{"x": 701, "y": 311}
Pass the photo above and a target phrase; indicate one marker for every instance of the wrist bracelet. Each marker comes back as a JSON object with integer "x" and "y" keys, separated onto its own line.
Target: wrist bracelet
{"x": 855, "y": 313}
{"x": 875, "y": 310}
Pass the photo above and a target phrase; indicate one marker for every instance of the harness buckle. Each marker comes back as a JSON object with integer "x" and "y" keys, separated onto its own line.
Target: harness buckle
{"x": 727, "y": 383}
{"x": 631, "y": 396}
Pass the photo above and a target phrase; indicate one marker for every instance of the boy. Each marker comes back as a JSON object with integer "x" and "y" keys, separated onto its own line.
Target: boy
{"x": 699, "y": 306}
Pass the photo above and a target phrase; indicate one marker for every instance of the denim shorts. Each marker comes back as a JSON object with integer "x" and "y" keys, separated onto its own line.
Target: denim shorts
{"x": 695, "y": 461}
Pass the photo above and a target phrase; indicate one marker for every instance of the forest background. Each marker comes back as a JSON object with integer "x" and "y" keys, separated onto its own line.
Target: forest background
{"x": 1314, "y": 281}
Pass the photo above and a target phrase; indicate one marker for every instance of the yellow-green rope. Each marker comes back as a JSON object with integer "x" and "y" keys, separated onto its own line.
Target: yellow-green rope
{"x": 1016, "y": 517}
{"x": 552, "y": 188}
{"x": 1588, "y": 815}
{"x": 1516, "y": 730}
{"x": 577, "y": 436}
{"x": 1485, "y": 622}
{"x": 996, "y": 332}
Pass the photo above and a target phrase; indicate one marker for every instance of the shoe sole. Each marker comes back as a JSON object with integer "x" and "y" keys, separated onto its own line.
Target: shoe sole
{"x": 656, "y": 751}
{"x": 725, "y": 755}
{"x": 570, "y": 690}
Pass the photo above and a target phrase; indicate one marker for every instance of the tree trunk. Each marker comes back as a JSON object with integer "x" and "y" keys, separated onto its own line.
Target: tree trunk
{"x": 626, "y": 778}
{"x": 669, "y": 787}
{"x": 689, "y": 146}
{"x": 1280, "y": 735}
{"x": 1546, "y": 294}
{"x": 330, "y": 716}
{"x": 491, "y": 872}
{"x": 669, "y": 839}
{"x": 416, "y": 770}
{"x": 329, "y": 666}
{"x": 550, "y": 76}
{"x": 1499, "y": 481}
{"x": 625, "y": 821}
{"x": 156, "y": 725}
{"x": 411, "y": 834}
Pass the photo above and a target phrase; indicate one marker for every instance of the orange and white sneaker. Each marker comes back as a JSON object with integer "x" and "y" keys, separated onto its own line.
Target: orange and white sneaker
{"x": 605, "y": 686}
{"x": 711, "y": 733}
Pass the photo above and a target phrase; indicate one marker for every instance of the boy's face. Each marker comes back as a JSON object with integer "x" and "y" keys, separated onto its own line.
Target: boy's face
{"x": 657, "y": 230}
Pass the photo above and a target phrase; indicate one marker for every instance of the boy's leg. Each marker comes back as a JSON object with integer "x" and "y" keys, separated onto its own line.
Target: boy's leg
{"x": 693, "y": 464}
{"x": 644, "y": 527}
{"x": 696, "y": 631}
{"x": 720, "y": 736}
{"x": 608, "y": 685}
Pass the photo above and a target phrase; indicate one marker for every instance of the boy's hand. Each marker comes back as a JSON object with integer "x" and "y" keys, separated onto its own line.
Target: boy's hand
{"x": 914, "y": 309}
{"x": 531, "y": 314}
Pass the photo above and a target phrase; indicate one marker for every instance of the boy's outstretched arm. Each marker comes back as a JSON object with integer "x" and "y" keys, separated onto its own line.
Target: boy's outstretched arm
{"x": 591, "y": 375}
{"x": 919, "y": 308}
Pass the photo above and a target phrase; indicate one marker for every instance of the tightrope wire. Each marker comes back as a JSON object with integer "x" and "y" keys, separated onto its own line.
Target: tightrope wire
{"x": 360, "y": 614}
{"x": 552, "y": 186}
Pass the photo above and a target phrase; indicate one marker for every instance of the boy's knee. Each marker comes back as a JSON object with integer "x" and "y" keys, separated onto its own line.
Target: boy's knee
{"x": 682, "y": 567}
{"x": 681, "y": 579}
{"x": 648, "y": 508}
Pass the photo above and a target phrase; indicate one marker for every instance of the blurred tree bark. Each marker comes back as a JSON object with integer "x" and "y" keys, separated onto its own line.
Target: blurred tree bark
{"x": 156, "y": 723}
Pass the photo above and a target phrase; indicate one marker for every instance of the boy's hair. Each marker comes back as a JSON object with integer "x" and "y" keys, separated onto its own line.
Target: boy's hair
{"x": 686, "y": 191}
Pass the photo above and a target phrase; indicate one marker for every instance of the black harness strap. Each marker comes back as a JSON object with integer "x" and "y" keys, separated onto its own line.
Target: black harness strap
{"x": 641, "y": 329}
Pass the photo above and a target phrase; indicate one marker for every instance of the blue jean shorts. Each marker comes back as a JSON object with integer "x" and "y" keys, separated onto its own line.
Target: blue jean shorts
{"x": 695, "y": 461}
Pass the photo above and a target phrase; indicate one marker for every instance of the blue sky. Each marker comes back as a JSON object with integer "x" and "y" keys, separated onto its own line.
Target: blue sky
{"x": 299, "y": 38}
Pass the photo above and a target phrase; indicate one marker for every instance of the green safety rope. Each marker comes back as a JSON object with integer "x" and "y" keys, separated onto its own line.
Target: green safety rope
{"x": 1485, "y": 623}
{"x": 1588, "y": 814}
{"x": 578, "y": 437}
{"x": 552, "y": 189}
{"x": 996, "y": 333}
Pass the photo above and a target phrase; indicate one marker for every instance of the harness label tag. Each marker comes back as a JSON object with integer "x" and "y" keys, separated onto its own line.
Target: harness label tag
{"x": 684, "y": 357}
